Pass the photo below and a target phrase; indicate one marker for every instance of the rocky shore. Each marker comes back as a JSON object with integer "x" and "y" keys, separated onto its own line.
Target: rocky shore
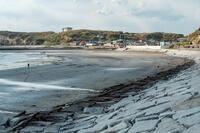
{"x": 165, "y": 102}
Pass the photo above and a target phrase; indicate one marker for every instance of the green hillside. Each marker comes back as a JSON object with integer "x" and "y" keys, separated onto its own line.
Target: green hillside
{"x": 86, "y": 35}
{"x": 51, "y": 38}
{"x": 193, "y": 41}
{"x": 32, "y": 38}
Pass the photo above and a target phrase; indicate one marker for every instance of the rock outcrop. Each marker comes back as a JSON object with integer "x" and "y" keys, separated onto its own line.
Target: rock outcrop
{"x": 193, "y": 41}
{"x": 196, "y": 40}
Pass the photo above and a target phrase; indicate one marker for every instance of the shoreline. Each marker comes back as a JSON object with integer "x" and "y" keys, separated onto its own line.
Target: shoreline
{"x": 101, "y": 101}
{"x": 54, "y": 48}
{"x": 27, "y": 83}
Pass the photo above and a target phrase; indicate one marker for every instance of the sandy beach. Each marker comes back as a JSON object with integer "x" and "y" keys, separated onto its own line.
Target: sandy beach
{"x": 81, "y": 74}
{"x": 169, "y": 105}
{"x": 72, "y": 77}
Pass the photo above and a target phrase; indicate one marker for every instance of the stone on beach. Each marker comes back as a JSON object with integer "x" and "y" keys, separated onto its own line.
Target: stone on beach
{"x": 168, "y": 114}
{"x": 158, "y": 109}
{"x": 121, "y": 103}
{"x": 186, "y": 113}
{"x": 150, "y": 117}
{"x": 32, "y": 129}
{"x": 94, "y": 110}
{"x": 4, "y": 122}
{"x": 190, "y": 120}
{"x": 51, "y": 129}
{"x": 142, "y": 126}
{"x": 193, "y": 129}
{"x": 115, "y": 128}
{"x": 168, "y": 125}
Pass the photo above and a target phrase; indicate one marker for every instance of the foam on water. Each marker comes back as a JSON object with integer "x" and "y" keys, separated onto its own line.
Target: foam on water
{"x": 3, "y": 94}
{"x": 16, "y": 60}
{"x": 7, "y": 112}
{"x": 35, "y": 86}
{"x": 120, "y": 69}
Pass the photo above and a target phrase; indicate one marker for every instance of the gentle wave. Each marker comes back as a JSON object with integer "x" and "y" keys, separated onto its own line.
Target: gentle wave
{"x": 120, "y": 69}
{"x": 35, "y": 86}
{"x": 18, "y": 60}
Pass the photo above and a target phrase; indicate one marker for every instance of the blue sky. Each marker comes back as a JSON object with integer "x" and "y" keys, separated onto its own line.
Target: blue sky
{"x": 177, "y": 16}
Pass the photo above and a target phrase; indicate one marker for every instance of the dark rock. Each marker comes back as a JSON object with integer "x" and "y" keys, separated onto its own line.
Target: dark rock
{"x": 5, "y": 122}
{"x": 2, "y": 128}
{"x": 195, "y": 94}
{"x": 22, "y": 113}
{"x": 15, "y": 121}
{"x": 94, "y": 110}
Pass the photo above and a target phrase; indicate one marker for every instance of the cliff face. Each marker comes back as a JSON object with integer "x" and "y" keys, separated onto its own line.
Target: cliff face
{"x": 196, "y": 40}
{"x": 193, "y": 41}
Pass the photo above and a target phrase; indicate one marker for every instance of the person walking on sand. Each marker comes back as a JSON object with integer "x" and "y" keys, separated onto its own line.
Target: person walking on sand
{"x": 28, "y": 65}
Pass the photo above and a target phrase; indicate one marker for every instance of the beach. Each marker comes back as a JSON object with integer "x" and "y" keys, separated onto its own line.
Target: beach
{"x": 75, "y": 75}
{"x": 169, "y": 105}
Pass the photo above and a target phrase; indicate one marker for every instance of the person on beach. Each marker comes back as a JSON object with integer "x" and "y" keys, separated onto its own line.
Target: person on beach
{"x": 28, "y": 65}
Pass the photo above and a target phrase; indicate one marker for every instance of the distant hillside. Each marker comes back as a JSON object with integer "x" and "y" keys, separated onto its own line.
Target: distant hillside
{"x": 24, "y": 38}
{"x": 193, "y": 41}
{"x": 63, "y": 38}
{"x": 86, "y": 35}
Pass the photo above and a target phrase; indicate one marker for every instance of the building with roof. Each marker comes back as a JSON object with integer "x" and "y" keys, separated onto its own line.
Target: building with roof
{"x": 66, "y": 29}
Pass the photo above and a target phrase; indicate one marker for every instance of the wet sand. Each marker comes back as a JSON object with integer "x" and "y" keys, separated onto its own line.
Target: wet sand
{"x": 84, "y": 73}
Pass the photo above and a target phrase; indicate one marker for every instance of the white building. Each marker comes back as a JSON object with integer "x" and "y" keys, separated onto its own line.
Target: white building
{"x": 108, "y": 45}
{"x": 66, "y": 29}
{"x": 164, "y": 44}
{"x": 89, "y": 44}
{"x": 182, "y": 39}
{"x": 143, "y": 47}
{"x": 100, "y": 36}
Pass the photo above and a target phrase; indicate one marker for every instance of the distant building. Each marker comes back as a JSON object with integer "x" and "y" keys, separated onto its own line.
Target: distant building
{"x": 139, "y": 43}
{"x": 120, "y": 41}
{"x": 74, "y": 43}
{"x": 150, "y": 43}
{"x": 4, "y": 40}
{"x": 93, "y": 42}
{"x": 181, "y": 39}
{"x": 108, "y": 45}
{"x": 116, "y": 45}
{"x": 164, "y": 44}
{"x": 89, "y": 44}
{"x": 66, "y": 29}
{"x": 100, "y": 36}
{"x": 82, "y": 43}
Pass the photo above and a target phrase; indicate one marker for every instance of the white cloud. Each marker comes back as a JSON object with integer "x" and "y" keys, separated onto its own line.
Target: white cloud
{"x": 181, "y": 16}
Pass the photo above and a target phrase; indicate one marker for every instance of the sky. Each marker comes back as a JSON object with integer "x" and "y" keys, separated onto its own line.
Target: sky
{"x": 174, "y": 16}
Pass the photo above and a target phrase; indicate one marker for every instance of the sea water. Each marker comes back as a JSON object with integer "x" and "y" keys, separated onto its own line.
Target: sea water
{"x": 10, "y": 60}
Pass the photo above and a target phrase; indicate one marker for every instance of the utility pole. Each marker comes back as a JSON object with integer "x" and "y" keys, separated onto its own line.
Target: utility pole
{"x": 122, "y": 36}
{"x": 124, "y": 40}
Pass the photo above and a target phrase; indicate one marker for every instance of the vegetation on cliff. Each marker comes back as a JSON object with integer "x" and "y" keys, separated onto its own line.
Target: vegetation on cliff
{"x": 24, "y": 38}
{"x": 192, "y": 41}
